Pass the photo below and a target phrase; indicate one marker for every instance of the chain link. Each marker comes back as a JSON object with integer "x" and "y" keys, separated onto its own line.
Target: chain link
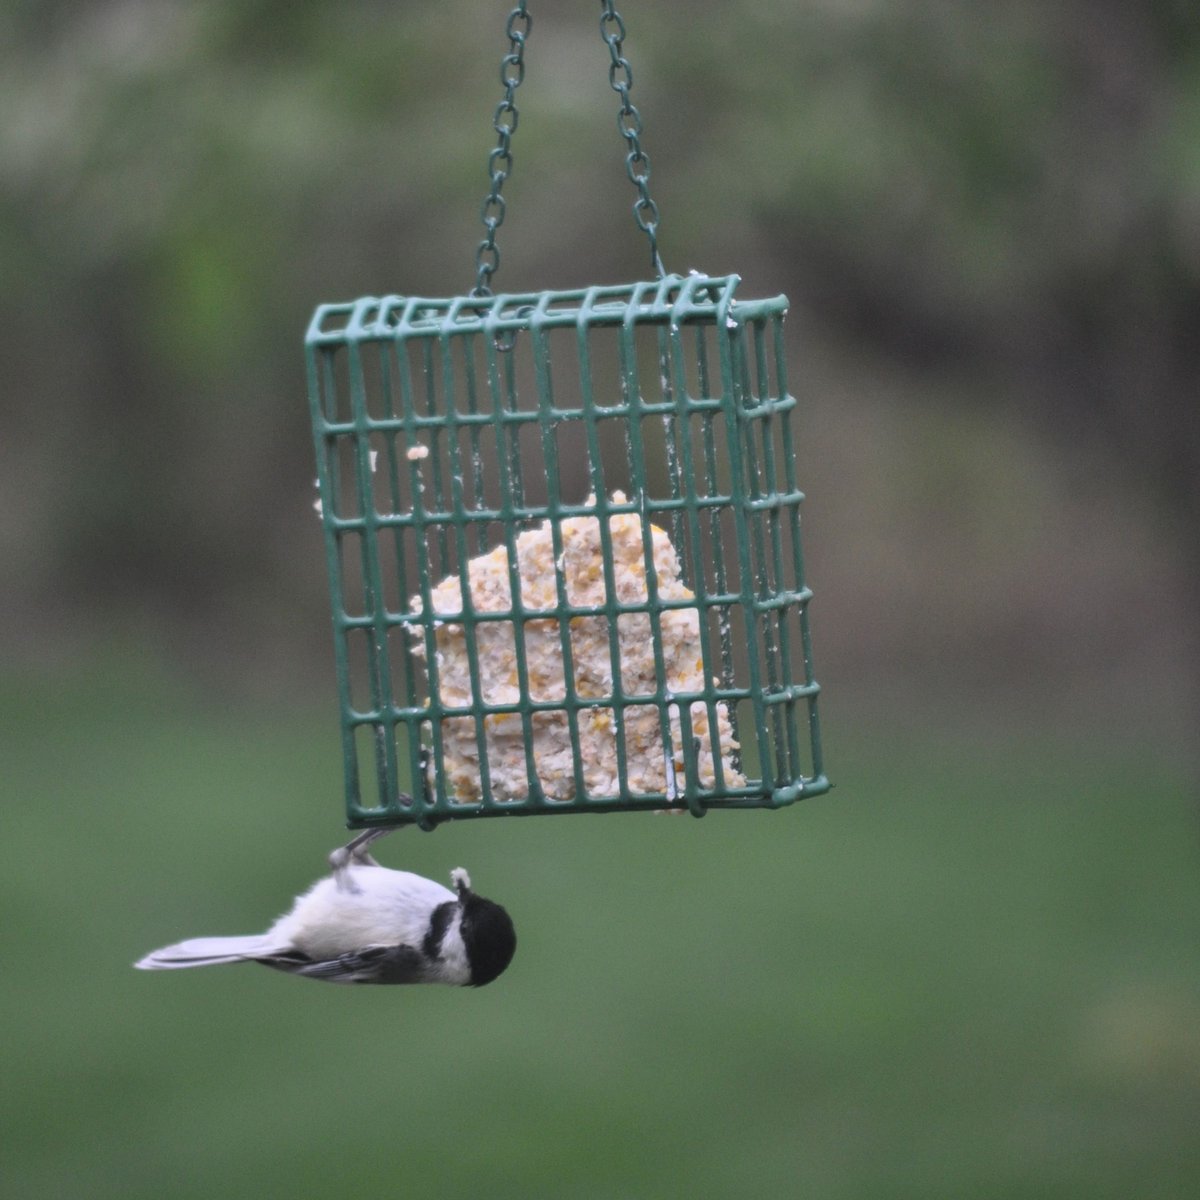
{"x": 629, "y": 124}
{"x": 500, "y": 161}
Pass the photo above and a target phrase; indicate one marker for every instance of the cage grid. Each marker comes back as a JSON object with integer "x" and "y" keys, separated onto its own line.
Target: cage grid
{"x": 640, "y": 432}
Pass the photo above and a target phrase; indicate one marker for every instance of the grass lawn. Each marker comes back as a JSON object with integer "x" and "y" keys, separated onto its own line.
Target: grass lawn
{"x": 973, "y": 970}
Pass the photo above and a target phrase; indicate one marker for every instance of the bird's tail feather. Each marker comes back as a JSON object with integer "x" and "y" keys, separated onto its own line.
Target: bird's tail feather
{"x": 208, "y": 952}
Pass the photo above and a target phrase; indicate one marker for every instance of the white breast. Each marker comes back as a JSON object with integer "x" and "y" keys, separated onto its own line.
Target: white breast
{"x": 377, "y": 907}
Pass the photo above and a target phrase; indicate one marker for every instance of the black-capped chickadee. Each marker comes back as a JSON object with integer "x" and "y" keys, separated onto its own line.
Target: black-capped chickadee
{"x": 367, "y": 924}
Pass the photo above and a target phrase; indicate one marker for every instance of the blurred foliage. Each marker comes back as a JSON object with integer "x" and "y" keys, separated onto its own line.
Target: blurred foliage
{"x": 980, "y": 206}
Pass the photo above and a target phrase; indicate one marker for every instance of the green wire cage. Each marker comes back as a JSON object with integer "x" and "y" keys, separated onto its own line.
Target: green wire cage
{"x": 563, "y": 542}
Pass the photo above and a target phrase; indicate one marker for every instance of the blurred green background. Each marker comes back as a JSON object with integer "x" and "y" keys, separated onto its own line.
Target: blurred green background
{"x": 972, "y": 969}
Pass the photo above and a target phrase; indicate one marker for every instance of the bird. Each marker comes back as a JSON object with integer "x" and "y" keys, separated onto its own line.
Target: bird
{"x": 365, "y": 923}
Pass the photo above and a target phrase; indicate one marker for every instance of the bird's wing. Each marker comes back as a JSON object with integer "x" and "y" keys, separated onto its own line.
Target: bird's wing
{"x": 372, "y": 964}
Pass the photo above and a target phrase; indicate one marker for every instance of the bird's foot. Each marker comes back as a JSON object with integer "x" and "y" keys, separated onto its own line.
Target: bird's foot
{"x": 354, "y": 853}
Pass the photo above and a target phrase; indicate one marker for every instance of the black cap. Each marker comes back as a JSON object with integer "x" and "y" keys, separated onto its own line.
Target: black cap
{"x": 489, "y": 938}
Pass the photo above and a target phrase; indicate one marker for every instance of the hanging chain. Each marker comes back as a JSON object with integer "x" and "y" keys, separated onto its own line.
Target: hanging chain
{"x": 629, "y": 123}
{"x": 500, "y": 161}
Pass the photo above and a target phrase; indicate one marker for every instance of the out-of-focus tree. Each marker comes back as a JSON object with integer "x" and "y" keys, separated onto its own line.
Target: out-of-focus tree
{"x": 1008, "y": 190}
{"x": 1013, "y": 186}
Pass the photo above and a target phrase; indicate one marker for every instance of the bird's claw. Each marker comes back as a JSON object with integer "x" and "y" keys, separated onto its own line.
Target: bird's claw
{"x": 354, "y": 853}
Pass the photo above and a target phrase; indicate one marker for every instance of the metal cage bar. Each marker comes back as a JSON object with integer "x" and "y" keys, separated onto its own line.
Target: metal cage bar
{"x": 562, "y": 533}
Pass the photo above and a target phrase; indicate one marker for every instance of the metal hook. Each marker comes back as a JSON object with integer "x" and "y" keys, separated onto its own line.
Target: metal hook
{"x": 505, "y": 341}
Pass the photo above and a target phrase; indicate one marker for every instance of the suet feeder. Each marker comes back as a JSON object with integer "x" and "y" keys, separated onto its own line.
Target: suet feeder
{"x": 563, "y": 538}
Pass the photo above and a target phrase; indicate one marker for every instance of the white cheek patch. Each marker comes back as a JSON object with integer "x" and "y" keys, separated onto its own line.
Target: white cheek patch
{"x": 454, "y": 967}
